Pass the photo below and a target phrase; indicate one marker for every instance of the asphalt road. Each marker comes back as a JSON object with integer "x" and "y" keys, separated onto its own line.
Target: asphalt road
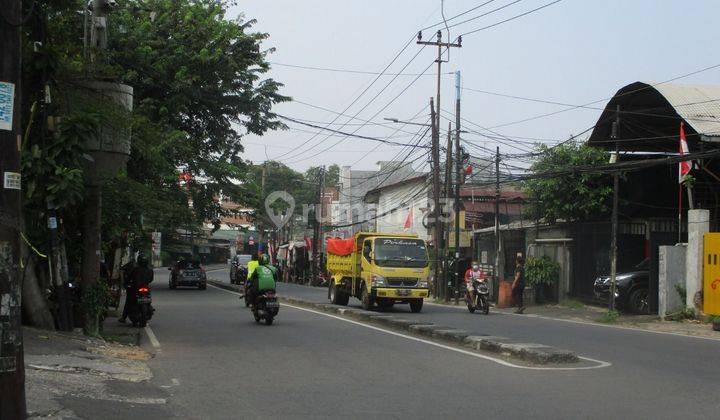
{"x": 216, "y": 362}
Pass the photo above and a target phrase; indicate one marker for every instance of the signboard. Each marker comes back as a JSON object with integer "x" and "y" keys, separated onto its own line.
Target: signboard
{"x": 156, "y": 243}
{"x": 11, "y": 181}
{"x": 711, "y": 268}
{"x": 7, "y": 97}
{"x": 465, "y": 239}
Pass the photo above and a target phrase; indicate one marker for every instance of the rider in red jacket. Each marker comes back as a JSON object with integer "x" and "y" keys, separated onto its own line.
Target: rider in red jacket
{"x": 473, "y": 273}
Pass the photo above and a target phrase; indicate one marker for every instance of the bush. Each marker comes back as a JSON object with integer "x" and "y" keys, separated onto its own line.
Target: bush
{"x": 610, "y": 317}
{"x": 682, "y": 291}
{"x": 681, "y": 315}
{"x": 541, "y": 271}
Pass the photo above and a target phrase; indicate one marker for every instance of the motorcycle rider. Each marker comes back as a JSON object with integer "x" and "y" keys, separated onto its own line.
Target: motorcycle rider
{"x": 471, "y": 274}
{"x": 139, "y": 275}
{"x": 252, "y": 265}
{"x": 263, "y": 278}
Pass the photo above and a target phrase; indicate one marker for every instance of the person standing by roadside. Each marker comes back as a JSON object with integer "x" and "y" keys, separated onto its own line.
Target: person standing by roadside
{"x": 518, "y": 286}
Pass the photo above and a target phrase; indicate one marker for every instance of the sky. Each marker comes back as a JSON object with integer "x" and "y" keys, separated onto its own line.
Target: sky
{"x": 572, "y": 52}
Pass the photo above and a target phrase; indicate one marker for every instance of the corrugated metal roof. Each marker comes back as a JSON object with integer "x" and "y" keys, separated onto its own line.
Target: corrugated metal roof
{"x": 698, "y": 105}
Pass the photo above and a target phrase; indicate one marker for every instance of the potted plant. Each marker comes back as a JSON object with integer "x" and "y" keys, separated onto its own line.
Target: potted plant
{"x": 715, "y": 320}
{"x": 541, "y": 273}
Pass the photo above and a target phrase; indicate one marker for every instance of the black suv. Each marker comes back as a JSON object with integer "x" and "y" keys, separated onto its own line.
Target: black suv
{"x": 631, "y": 291}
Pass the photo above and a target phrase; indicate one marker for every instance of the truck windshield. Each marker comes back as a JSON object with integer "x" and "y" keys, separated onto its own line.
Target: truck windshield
{"x": 399, "y": 252}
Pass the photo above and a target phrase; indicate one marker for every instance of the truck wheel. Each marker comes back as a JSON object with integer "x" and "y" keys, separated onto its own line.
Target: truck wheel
{"x": 343, "y": 298}
{"x": 416, "y": 305}
{"x": 366, "y": 299}
{"x": 334, "y": 294}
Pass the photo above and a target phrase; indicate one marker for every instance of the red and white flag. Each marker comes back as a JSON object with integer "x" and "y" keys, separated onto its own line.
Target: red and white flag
{"x": 409, "y": 219}
{"x": 685, "y": 166}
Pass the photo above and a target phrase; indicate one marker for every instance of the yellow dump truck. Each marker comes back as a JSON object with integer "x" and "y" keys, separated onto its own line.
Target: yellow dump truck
{"x": 379, "y": 269}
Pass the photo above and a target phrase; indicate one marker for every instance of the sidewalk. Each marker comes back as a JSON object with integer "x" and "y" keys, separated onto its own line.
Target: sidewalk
{"x": 69, "y": 375}
{"x": 578, "y": 312}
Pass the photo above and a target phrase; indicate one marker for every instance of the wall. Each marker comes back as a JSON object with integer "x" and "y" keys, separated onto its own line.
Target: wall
{"x": 698, "y": 225}
{"x": 671, "y": 271}
{"x": 391, "y": 197}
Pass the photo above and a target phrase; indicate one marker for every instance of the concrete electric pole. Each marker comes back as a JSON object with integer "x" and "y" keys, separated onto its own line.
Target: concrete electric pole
{"x": 458, "y": 163}
{"x": 12, "y": 371}
{"x": 614, "y": 222}
{"x": 436, "y": 122}
{"x": 437, "y": 229}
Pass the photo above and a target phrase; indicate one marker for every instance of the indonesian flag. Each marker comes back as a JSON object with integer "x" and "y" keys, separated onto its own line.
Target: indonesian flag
{"x": 409, "y": 219}
{"x": 685, "y": 166}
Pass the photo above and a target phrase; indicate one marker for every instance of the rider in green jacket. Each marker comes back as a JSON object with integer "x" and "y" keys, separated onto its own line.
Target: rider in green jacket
{"x": 263, "y": 278}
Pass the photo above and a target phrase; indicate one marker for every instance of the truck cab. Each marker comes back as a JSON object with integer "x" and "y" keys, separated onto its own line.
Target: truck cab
{"x": 379, "y": 269}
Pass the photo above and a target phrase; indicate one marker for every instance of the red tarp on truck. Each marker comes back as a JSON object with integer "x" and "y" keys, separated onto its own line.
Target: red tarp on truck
{"x": 342, "y": 247}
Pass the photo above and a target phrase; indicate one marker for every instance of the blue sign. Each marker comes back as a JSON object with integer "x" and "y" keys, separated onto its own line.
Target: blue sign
{"x": 7, "y": 96}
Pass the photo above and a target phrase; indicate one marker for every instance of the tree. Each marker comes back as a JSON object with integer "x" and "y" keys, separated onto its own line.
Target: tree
{"x": 332, "y": 174}
{"x": 199, "y": 87}
{"x": 571, "y": 196}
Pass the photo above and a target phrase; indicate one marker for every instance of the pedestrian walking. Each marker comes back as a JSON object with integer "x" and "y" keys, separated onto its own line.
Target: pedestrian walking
{"x": 518, "y": 286}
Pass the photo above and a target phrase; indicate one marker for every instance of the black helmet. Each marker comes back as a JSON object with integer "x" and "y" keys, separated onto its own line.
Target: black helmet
{"x": 142, "y": 259}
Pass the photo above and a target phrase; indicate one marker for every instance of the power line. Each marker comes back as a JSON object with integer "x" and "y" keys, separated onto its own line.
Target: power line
{"x": 607, "y": 99}
{"x": 402, "y": 50}
{"x": 379, "y": 111}
{"x": 512, "y": 18}
{"x": 543, "y": 101}
{"x": 344, "y": 133}
{"x": 337, "y": 70}
{"x": 363, "y": 108}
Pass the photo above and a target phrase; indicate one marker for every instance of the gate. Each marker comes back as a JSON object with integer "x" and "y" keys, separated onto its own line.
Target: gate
{"x": 591, "y": 256}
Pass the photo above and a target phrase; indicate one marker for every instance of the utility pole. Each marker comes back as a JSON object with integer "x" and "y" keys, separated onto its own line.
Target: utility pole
{"x": 261, "y": 221}
{"x": 448, "y": 193}
{"x": 12, "y": 367}
{"x": 437, "y": 230}
{"x": 316, "y": 223}
{"x": 436, "y": 122}
{"x": 614, "y": 222}
{"x": 497, "y": 216}
{"x": 439, "y": 62}
{"x": 458, "y": 163}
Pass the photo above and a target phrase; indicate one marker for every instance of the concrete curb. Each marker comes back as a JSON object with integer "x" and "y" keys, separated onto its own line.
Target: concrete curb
{"x": 529, "y": 352}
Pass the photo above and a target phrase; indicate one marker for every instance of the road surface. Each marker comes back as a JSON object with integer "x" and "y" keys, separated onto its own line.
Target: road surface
{"x": 216, "y": 362}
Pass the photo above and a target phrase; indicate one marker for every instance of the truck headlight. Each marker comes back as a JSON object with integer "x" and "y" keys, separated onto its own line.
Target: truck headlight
{"x": 423, "y": 284}
{"x": 377, "y": 280}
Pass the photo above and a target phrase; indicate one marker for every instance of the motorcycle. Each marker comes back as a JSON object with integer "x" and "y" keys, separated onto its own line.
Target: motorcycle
{"x": 142, "y": 311}
{"x": 266, "y": 307}
{"x": 482, "y": 297}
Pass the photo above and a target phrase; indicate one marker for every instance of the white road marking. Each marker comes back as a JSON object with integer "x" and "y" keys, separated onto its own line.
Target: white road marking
{"x": 600, "y": 363}
{"x": 175, "y": 381}
{"x": 153, "y": 340}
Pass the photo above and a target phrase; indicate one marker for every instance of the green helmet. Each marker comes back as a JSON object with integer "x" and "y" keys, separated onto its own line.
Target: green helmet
{"x": 264, "y": 259}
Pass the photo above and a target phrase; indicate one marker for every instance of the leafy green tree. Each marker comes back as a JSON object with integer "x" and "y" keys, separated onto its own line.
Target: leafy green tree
{"x": 569, "y": 196}
{"x": 199, "y": 87}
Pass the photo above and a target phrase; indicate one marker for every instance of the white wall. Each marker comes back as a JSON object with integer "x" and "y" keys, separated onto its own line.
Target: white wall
{"x": 393, "y": 197}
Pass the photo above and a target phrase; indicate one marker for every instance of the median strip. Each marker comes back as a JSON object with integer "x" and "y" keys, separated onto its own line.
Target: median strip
{"x": 528, "y": 352}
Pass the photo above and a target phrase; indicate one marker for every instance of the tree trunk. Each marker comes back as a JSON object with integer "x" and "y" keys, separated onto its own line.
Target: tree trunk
{"x": 34, "y": 304}
{"x": 91, "y": 255}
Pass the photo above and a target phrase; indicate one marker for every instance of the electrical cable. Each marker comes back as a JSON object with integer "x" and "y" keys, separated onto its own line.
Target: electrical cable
{"x": 402, "y": 50}
{"x": 511, "y": 18}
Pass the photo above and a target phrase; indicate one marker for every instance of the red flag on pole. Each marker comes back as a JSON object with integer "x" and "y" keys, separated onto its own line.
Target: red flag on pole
{"x": 409, "y": 219}
{"x": 685, "y": 166}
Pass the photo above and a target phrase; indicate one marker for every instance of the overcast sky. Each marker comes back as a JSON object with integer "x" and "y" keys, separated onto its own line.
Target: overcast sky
{"x": 573, "y": 52}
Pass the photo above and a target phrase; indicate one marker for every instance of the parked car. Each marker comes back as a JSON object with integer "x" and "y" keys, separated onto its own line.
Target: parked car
{"x": 238, "y": 268}
{"x": 188, "y": 273}
{"x": 631, "y": 292}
